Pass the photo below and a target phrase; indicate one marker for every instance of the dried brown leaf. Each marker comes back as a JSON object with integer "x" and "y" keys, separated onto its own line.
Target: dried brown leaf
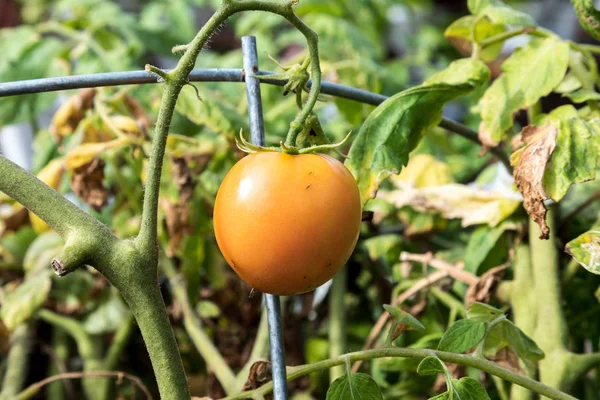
{"x": 260, "y": 373}
{"x": 176, "y": 220}
{"x": 529, "y": 166}
{"x": 485, "y": 286}
{"x": 86, "y": 183}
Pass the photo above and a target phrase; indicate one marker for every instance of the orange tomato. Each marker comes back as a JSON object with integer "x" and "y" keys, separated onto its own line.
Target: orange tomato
{"x": 287, "y": 223}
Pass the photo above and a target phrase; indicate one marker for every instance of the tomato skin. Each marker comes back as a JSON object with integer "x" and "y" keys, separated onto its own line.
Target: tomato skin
{"x": 287, "y": 223}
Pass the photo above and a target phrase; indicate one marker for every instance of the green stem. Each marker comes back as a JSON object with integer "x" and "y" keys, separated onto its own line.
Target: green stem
{"x": 337, "y": 318}
{"x": 16, "y": 362}
{"x": 60, "y": 348}
{"x": 501, "y": 37}
{"x": 260, "y": 351}
{"x": 111, "y": 360}
{"x": 461, "y": 359}
{"x": 523, "y": 302}
{"x": 58, "y": 212}
{"x": 87, "y": 349}
{"x": 175, "y": 80}
{"x": 192, "y": 325}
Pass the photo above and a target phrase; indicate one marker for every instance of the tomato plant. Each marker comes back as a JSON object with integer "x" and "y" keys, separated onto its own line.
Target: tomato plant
{"x": 463, "y": 279}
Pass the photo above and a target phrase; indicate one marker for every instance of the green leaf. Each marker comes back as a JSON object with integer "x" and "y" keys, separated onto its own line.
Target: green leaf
{"x": 396, "y": 126}
{"x": 506, "y": 15}
{"x": 41, "y": 251}
{"x": 20, "y": 304}
{"x": 404, "y": 317}
{"x": 430, "y": 366}
{"x": 499, "y": 12}
{"x": 108, "y": 316}
{"x": 476, "y": 6}
{"x": 213, "y": 112}
{"x": 460, "y": 33}
{"x": 585, "y": 249}
{"x": 529, "y": 74}
{"x": 574, "y": 158}
{"x": 462, "y": 336}
{"x": 506, "y": 333}
{"x": 569, "y": 84}
{"x": 207, "y": 309}
{"x": 583, "y": 95}
{"x": 468, "y": 389}
{"x": 354, "y": 387}
{"x": 402, "y": 322}
{"x": 483, "y": 312}
{"x": 481, "y": 243}
{"x": 39, "y": 60}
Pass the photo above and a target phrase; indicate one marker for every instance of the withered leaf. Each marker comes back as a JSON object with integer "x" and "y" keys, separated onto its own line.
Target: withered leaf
{"x": 70, "y": 114}
{"x": 260, "y": 373}
{"x": 15, "y": 220}
{"x": 183, "y": 179}
{"x": 529, "y": 166}
{"x": 481, "y": 291}
{"x": 86, "y": 183}
{"x": 176, "y": 220}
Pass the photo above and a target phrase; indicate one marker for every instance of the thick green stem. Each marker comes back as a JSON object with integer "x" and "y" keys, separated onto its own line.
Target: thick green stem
{"x": 192, "y": 325}
{"x": 337, "y": 318}
{"x": 17, "y": 362}
{"x": 523, "y": 302}
{"x": 461, "y": 359}
{"x": 551, "y": 327}
{"x": 58, "y": 212}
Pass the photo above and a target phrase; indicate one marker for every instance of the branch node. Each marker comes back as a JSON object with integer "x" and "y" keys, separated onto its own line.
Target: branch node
{"x": 162, "y": 76}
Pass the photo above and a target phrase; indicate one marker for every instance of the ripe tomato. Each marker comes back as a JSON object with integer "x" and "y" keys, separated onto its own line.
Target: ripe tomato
{"x": 287, "y": 223}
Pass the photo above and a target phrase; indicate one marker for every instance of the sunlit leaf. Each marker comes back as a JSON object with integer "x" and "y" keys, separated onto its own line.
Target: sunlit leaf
{"x": 585, "y": 249}
{"x": 460, "y": 33}
{"x": 396, "y": 126}
{"x": 529, "y": 74}
{"x": 474, "y": 206}
{"x": 483, "y": 312}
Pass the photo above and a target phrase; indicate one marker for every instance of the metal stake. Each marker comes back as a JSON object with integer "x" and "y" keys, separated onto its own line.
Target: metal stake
{"x": 257, "y": 135}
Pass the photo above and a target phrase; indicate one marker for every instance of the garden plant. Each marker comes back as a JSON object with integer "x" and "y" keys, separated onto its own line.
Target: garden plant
{"x": 463, "y": 249}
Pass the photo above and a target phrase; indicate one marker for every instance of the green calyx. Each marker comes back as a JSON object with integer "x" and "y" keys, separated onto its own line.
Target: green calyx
{"x": 249, "y": 148}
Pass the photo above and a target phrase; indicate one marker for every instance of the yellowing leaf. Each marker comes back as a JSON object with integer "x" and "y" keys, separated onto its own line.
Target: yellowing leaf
{"x": 459, "y": 33}
{"x": 68, "y": 116}
{"x": 530, "y": 165}
{"x": 529, "y": 74}
{"x": 424, "y": 170}
{"x": 474, "y": 206}
{"x": 585, "y": 249}
{"x": 51, "y": 175}
{"x": 86, "y": 152}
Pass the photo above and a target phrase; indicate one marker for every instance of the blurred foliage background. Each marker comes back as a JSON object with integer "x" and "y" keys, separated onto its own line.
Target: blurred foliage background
{"x": 91, "y": 145}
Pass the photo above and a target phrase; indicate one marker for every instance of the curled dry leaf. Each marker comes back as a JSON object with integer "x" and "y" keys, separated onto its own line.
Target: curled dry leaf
{"x": 529, "y": 166}
{"x": 474, "y": 206}
{"x": 260, "y": 373}
{"x": 84, "y": 154}
{"x": 485, "y": 286}
{"x": 176, "y": 220}
{"x": 86, "y": 183}
{"x": 70, "y": 114}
